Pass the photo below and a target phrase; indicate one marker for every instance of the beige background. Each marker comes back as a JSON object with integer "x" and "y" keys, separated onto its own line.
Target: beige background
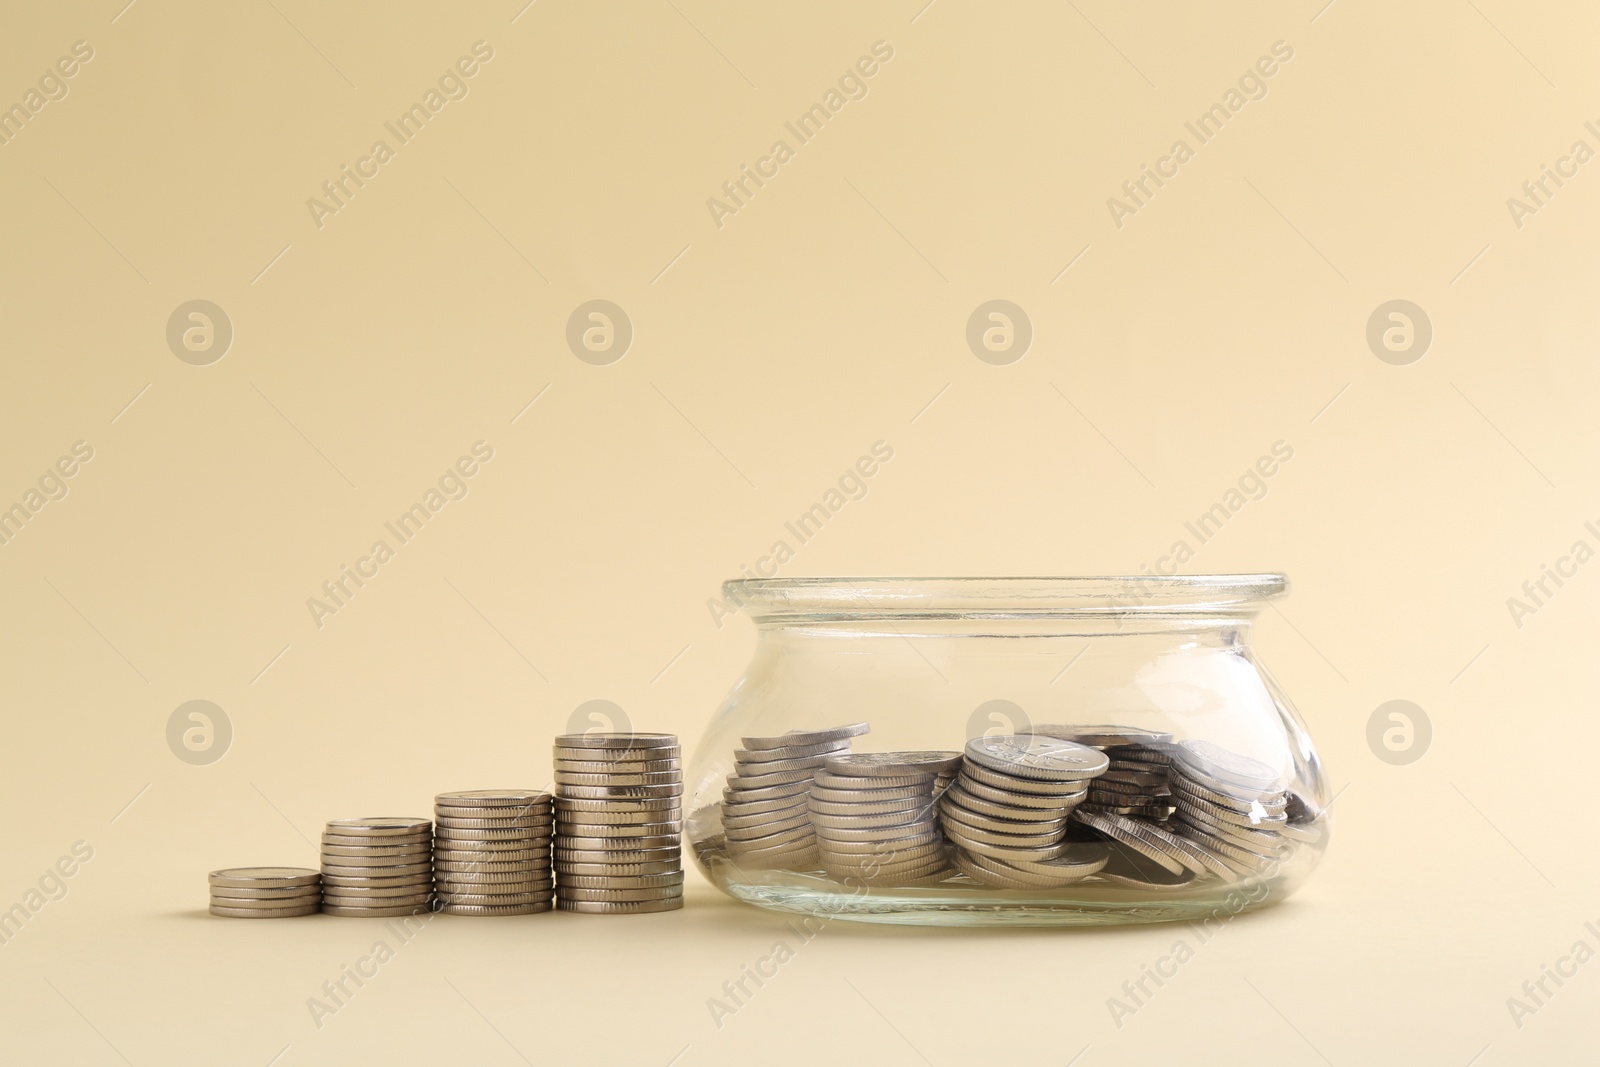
{"x": 829, "y": 313}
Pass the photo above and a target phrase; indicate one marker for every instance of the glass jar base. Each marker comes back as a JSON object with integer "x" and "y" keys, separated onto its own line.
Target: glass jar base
{"x": 962, "y": 902}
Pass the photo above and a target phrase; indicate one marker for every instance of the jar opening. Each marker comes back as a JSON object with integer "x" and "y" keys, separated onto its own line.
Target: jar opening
{"x": 1126, "y": 595}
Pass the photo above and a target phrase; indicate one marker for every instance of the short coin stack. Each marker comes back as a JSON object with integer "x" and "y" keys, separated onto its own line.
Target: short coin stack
{"x": 1136, "y": 782}
{"x": 1233, "y": 806}
{"x": 491, "y": 851}
{"x": 874, "y": 817}
{"x": 1007, "y": 812}
{"x": 619, "y": 822}
{"x": 265, "y": 892}
{"x": 377, "y": 866}
{"x": 764, "y": 815}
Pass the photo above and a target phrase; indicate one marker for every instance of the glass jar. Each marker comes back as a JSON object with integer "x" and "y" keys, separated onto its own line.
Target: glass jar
{"x": 1025, "y": 751}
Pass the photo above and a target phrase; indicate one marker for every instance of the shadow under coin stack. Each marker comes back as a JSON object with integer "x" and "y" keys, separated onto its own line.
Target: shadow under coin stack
{"x": 764, "y": 814}
{"x": 1233, "y": 806}
{"x": 874, "y": 816}
{"x": 377, "y": 866}
{"x": 265, "y": 892}
{"x": 619, "y": 823}
{"x": 1007, "y": 812}
{"x": 491, "y": 852}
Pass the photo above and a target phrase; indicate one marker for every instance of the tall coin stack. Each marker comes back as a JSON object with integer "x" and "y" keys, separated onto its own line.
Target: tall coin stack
{"x": 764, "y": 813}
{"x": 491, "y": 851}
{"x": 1137, "y": 782}
{"x": 265, "y": 892}
{"x": 376, "y": 866}
{"x": 1008, "y": 810}
{"x": 874, "y": 817}
{"x": 1232, "y": 805}
{"x": 619, "y": 822}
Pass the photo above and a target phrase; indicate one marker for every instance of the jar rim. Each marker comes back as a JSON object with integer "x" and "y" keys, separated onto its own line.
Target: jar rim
{"x": 1004, "y": 597}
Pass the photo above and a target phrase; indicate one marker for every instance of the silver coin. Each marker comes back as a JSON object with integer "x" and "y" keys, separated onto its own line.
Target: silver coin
{"x": 1079, "y": 858}
{"x": 341, "y": 886}
{"x": 264, "y": 913}
{"x": 613, "y": 741}
{"x": 772, "y": 793}
{"x": 1301, "y": 833}
{"x": 754, "y": 812}
{"x": 1016, "y": 855}
{"x": 647, "y": 881}
{"x": 493, "y": 798}
{"x": 619, "y": 792}
{"x": 518, "y": 909}
{"x": 264, "y": 877}
{"x": 882, "y": 807}
{"x": 291, "y": 893}
{"x": 664, "y": 892}
{"x": 1206, "y": 759}
{"x": 961, "y": 798}
{"x": 376, "y": 912}
{"x": 569, "y": 805}
{"x": 1143, "y": 779}
{"x": 524, "y": 882}
{"x": 1245, "y": 802}
{"x": 1132, "y": 870}
{"x": 516, "y": 822}
{"x": 740, "y": 783}
{"x": 376, "y": 842}
{"x": 894, "y": 764}
{"x": 828, "y": 795}
{"x": 421, "y": 848}
{"x": 873, "y": 783}
{"x": 485, "y": 856}
{"x": 966, "y": 832}
{"x": 492, "y": 833}
{"x": 1134, "y": 834}
{"x": 1157, "y": 756}
{"x": 565, "y": 779}
{"x": 1002, "y": 795}
{"x": 1266, "y": 844}
{"x": 898, "y": 848}
{"x": 1242, "y": 860}
{"x": 754, "y": 831}
{"x": 578, "y": 825}
{"x": 501, "y": 900}
{"x": 489, "y": 870}
{"x": 595, "y": 844}
{"x": 999, "y": 873}
{"x": 617, "y": 855}
{"x": 1065, "y": 789}
{"x": 361, "y": 901}
{"x": 1101, "y": 736}
{"x": 790, "y": 752}
{"x": 747, "y": 840}
{"x": 379, "y": 826}
{"x": 409, "y": 870}
{"x": 618, "y": 870}
{"x": 1215, "y": 813}
{"x": 1141, "y": 766}
{"x": 871, "y": 822}
{"x": 300, "y": 900}
{"x": 1035, "y": 756}
{"x": 744, "y": 768}
{"x": 608, "y": 766}
{"x": 619, "y": 907}
{"x": 802, "y": 738}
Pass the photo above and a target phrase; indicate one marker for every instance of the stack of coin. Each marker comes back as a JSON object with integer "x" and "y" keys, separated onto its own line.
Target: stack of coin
{"x": 619, "y": 821}
{"x": 1233, "y": 806}
{"x": 491, "y": 851}
{"x": 874, "y": 815}
{"x": 377, "y": 866}
{"x": 1136, "y": 782}
{"x": 764, "y": 813}
{"x": 1007, "y": 812}
{"x": 265, "y": 892}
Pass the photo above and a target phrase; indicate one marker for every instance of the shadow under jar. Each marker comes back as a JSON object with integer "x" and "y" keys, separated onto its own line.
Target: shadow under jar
{"x": 1007, "y": 751}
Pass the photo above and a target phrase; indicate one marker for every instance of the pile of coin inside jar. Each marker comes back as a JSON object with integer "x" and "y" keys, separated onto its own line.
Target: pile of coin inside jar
{"x": 607, "y": 842}
{"x": 1041, "y": 810}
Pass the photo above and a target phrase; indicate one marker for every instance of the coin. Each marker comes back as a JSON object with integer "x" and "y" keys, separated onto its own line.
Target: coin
{"x": 268, "y": 903}
{"x": 620, "y": 907}
{"x": 265, "y": 877}
{"x": 1036, "y": 756}
{"x": 618, "y": 870}
{"x": 298, "y": 893}
{"x": 1208, "y": 760}
{"x": 488, "y": 870}
{"x": 421, "y": 848}
{"x": 359, "y": 900}
{"x": 1101, "y": 736}
{"x": 501, "y": 900}
{"x": 666, "y": 892}
{"x": 613, "y": 741}
{"x": 330, "y": 871}
{"x": 264, "y": 913}
{"x": 484, "y": 857}
{"x": 567, "y": 805}
{"x": 1132, "y": 870}
{"x": 1002, "y": 794}
{"x": 514, "y": 909}
{"x": 1132, "y": 833}
{"x": 1060, "y": 788}
{"x": 608, "y": 766}
{"x": 493, "y": 798}
{"x": 352, "y": 841}
{"x": 512, "y": 879}
{"x": 521, "y": 822}
{"x": 804, "y": 738}
{"x": 894, "y": 764}
{"x": 615, "y": 792}
{"x": 374, "y": 912}
{"x": 613, "y": 881}
{"x": 379, "y": 826}
{"x": 658, "y": 778}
